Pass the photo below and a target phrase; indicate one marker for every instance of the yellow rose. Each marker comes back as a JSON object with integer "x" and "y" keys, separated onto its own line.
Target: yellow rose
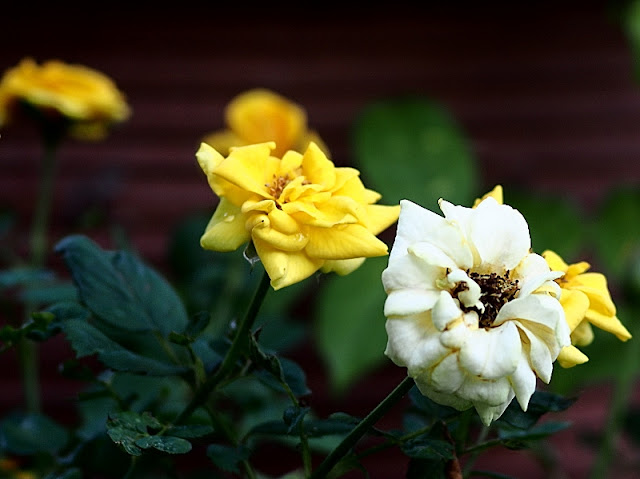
{"x": 301, "y": 212}
{"x": 85, "y": 97}
{"x": 259, "y": 116}
{"x": 586, "y": 301}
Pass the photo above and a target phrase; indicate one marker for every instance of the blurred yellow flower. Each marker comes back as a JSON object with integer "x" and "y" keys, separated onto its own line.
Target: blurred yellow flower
{"x": 586, "y": 301}
{"x": 259, "y": 116}
{"x": 301, "y": 212}
{"x": 56, "y": 90}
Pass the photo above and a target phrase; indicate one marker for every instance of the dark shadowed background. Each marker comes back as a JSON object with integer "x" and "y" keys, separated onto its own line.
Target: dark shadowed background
{"x": 545, "y": 95}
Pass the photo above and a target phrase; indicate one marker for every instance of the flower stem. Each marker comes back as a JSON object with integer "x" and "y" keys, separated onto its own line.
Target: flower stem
{"x": 240, "y": 339}
{"x": 360, "y": 430}
{"x": 27, "y": 349}
{"x": 622, "y": 390}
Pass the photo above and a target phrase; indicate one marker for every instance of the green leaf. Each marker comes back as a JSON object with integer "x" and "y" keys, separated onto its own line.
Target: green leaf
{"x": 31, "y": 434}
{"x": 23, "y": 276}
{"x": 125, "y": 438}
{"x": 168, "y": 444}
{"x": 228, "y": 458}
{"x": 555, "y": 223}
{"x": 540, "y": 403}
{"x": 87, "y": 340}
{"x": 312, "y": 427}
{"x": 428, "y": 448}
{"x": 350, "y": 330}
{"x": 190, "y": 431}
{"x": 121, "y": 290}
{"x": 126, "y": 428}
{"x": 516, "y": 438}
{"x": 49, "y": 293}
{"x": 616, "y": 230}
{"x": 411, "y": 148}
{"x": 293, "y": 416}
{"x": 428, "y": 408}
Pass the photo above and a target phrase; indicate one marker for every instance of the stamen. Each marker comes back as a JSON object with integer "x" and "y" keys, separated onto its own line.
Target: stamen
{"x": 277, "y": 185}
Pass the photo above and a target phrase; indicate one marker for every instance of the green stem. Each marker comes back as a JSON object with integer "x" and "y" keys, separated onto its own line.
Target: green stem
{"x": 622, "y": 390}
{"x": 27, "y": 350}
{"x": 229, "y": 361}
{"x": 361, "y": 429}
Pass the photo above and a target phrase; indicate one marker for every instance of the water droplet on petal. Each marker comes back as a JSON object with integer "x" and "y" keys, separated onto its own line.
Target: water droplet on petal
{"x": 228, "y": 218}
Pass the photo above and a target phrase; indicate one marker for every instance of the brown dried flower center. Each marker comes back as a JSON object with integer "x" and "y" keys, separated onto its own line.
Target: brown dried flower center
{"x": 496, "y": 292}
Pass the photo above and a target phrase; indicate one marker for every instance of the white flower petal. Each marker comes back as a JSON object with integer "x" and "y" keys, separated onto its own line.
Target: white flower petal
{"x": 405, "y": 271}
{"x": 493, "y": 353}
{"x": 539, "y": 356}
{"x": 523, "y": 381}
{"x": 490, "y": 393}
{"x": 431, "y": 254}
{"x": 417, "y": 224}
{"x": 488, "y": 414}
{"x": 445, "y": 310}
{"x": 451, "y": 400}
{"x": 500, "y": 234}
{"x": 446, "y": 376}
{"x": 413, "y": 342}
{"x": 403, "y": 302}
{"x": 470, "y": 297}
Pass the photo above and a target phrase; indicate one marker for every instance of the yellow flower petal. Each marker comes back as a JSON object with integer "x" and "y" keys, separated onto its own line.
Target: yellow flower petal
{"x": 610, "y": 324}
{"x": 285, "y": 268}
{"x": 342, "y": 266}
{"x": 290, "y": 162}
{"x": 263, "y": 231}
{"x": 582, "y": 335}
{"x": 86, "y": 97}
{"x": 380, "y": 217}
{"x": 226, "y": 230}
{"x": 594, "y": 285}
{"x": 312, "y": 136}
{"x": 495, "y": 193}
{"x": 343, "y": 242}
{"x": 250, "y": 168}
{"x": 555, "y": 262}
{"x": 318, "y": 169}
{"x": 223, "y": 141}
{"x": 570, "y": 356}
{"x": 261, "y": 115}
{"x": 209, "y": 159}
{"x": 575, "y": 305}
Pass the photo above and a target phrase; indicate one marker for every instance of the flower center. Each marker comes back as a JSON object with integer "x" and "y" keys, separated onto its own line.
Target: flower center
{"x": 278, "y": 184}
{"x": 496, "y": 292}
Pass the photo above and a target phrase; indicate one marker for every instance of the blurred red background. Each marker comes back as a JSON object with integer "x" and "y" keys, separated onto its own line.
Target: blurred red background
{"x": 545, "y": 94}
